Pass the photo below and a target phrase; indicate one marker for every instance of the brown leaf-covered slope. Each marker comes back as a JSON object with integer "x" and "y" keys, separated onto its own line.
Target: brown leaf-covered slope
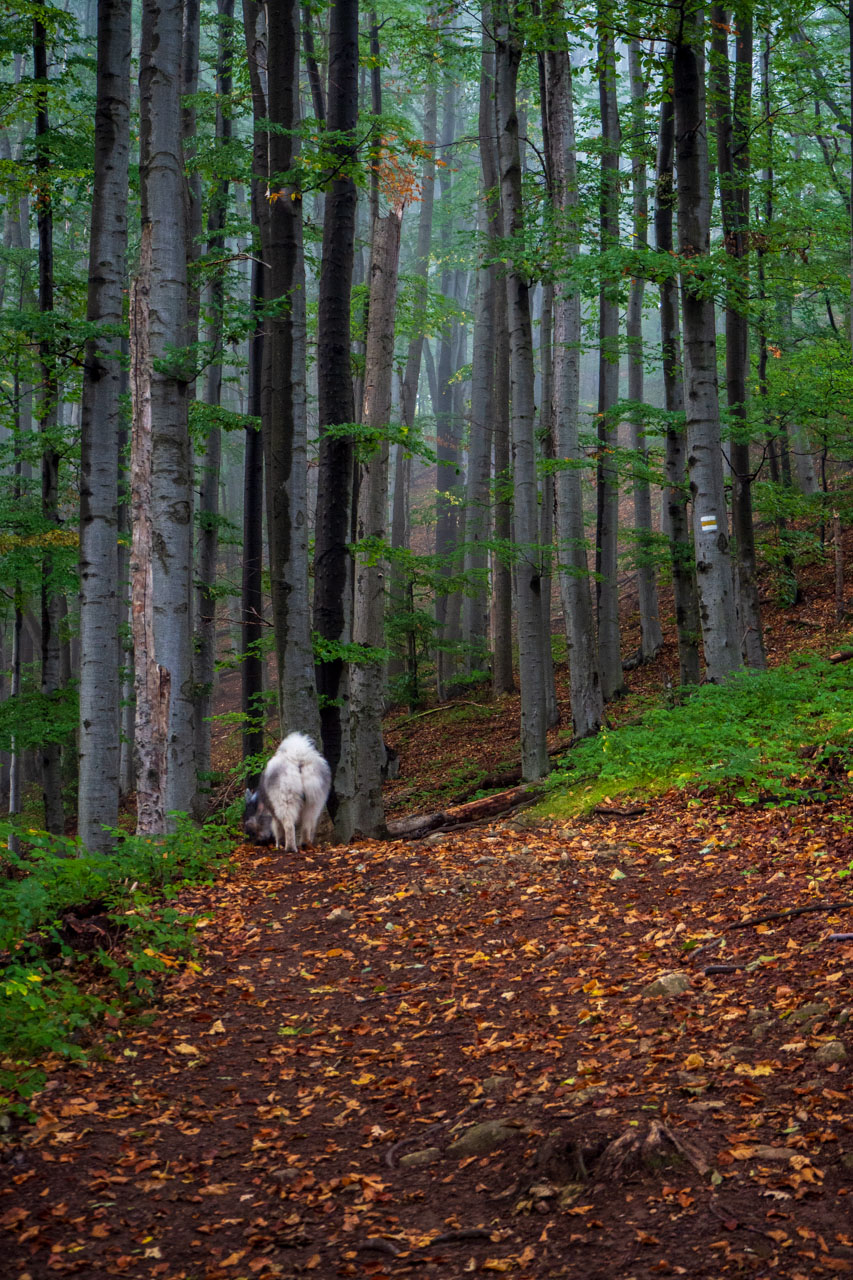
{"x": 443, "y": 1059}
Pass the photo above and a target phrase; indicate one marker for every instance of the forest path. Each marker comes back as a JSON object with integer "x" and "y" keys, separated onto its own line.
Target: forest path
{"x": 411, "y": 1059}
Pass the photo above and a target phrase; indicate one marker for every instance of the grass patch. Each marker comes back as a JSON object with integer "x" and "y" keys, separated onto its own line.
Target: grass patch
{"x": 780, "y": 736}
{"x": 83, "y": 936}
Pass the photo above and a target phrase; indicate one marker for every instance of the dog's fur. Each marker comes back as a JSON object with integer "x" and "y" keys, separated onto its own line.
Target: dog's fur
{"x": 290, "y": 796}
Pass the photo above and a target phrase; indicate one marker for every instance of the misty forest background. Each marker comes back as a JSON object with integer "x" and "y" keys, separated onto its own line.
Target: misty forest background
{"x": 377, "y": 354}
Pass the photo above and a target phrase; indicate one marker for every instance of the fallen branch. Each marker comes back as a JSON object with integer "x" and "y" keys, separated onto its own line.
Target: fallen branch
{"x": 445, "y": 706}
{"x": 603, "y": 811}
{"x": 843, "y": 655}
{"x": 419, "y": 825}
{"x": 790, "y": 913}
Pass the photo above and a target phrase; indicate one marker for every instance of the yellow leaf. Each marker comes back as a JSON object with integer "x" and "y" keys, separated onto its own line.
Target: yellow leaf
{"x": 742, "y": 1153}
{"x": 497, "y": 1264}
{"x": 694, "y": 1062}
{"x": 189, "y": 1050}
{"x": 216, "y": 1028}
{"x": 365, "y": 1078}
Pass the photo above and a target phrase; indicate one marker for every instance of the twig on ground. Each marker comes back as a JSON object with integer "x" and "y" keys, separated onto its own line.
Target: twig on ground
{"x": 445, "y": 706}
{"x": 790, "y": 913}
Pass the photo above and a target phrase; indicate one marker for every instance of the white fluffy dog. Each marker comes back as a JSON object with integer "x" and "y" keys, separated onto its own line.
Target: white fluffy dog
{"x": 290, "y": 796}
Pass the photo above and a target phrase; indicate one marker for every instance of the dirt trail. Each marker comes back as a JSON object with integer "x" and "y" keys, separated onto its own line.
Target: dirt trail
{"x": 438, "y": 1059}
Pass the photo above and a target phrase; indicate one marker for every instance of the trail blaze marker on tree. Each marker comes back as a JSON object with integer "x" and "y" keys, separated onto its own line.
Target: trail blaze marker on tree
{"x": 708, "y": 524}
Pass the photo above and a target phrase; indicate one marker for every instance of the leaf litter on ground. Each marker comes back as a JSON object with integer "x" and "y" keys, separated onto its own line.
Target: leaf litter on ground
{"x": 445, "y": 1057}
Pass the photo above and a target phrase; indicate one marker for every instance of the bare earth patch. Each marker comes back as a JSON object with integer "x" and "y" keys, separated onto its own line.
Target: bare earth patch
{"x": 440, "y": 1059}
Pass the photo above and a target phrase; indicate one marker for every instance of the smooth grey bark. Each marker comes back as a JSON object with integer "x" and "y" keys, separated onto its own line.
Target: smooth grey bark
{"x": 400, "y": 586}
{"x": 98, "y": 736}
{"x": 651, "y": 636}
{"x": 152, "y": 681}
{"x": 163, "y": 195}
{"x": 501, "y": 573}
{"x": 475, "y": 608}
{"x": 252, "y": 622}
{"x": 546, "y": 497}
{"x": 586, "y": 695}
{"x": 733, "y": 118}
{"x": 676, "y": 491}
{"x": 705, "y": 461}
{"x": 367, "y": 683}
{"x": 446, "y": 426}
{"x": 527, "y": 561}
{"x": 208, "y": 503}
{"x": 251, "y": 583}
{"x": 607, "y": 488}
{"x": 284, "y": 412}
{"x": 51, "y": 599}
{"x": 333, "y": 525}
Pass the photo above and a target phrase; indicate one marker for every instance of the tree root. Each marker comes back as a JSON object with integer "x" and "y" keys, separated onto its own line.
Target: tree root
{"x": 634, "y": 1151}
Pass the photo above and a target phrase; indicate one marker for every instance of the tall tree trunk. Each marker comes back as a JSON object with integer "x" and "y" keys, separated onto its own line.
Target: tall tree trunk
{"x": 531, "y": 655}
{"x": 285, "y": 419}
{"x": 163, "y": 192}
{"x": 252, "y": 601}
{"x": 586, "y": 693}
{"x": 651, "y": 637}
{"x": 475, "y": 606}
{"x": 208, "y": 534}
{"x": 333, "y": 531}
{"x": 733, "y": 124}
{"x": 153, "y": 681}
{"x": 607, "y": 523}
{"x": 446, "y": 430}
{"x": 501, "y": 611}
{"x": 51, "y": 599}
{"x": 676, "y": 492}
{"x": 400, "y": 578}
{"x": 705, "y": 461}
{"x": 546, "y": 504}
{"x": 251, "y": 591}
{"x": 367, "y": 679}
{"x": 99, "y": 749}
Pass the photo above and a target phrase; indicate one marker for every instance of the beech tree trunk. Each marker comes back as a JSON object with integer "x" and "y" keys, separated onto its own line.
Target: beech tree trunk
{"x": 501, "y": 610}
{"x": 607, "y": 524}
{"x": 651, "y": 637}
{"x": 475, "y": 610}
{"x": 546, "y": 500}
{"x": 98, "y": 744}
{"x": 285, "y": 429}
{"x": 400, "y": 579}
{"x": 333, "y": 531}
{"x": 163, "y": 192}
{"x": 51, "y": 600}
{"x": 527, "y": 561}
{"x": 208, "y": 534}
{"x": 252, "y": 602}
{"x": 153, "y": 681}
{"x": 705, "y": 461}
{"x": 676, "y": 493}
{"x": 446, "y": 427}
{"x": 371, "y": 565}
{"x": 733, "y": 123}
{"x": 586, "y": 692}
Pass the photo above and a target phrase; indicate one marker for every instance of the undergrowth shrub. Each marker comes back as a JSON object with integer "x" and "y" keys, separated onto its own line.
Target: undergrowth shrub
{"x": 83, "y": 935}
{"x": 780, "y": 735}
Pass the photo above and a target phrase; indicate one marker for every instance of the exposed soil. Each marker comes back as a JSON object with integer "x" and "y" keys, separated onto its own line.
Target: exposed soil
{"x": 292, "y": 1106}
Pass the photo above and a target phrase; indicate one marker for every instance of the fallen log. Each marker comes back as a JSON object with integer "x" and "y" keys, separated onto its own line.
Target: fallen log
{"x": 418, "y": 825}
{"x": 843, "y": 655}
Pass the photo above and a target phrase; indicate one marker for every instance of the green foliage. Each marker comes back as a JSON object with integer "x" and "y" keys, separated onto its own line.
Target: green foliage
{"x": 57, "y": 976}
{"x": 773, "y": 736}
